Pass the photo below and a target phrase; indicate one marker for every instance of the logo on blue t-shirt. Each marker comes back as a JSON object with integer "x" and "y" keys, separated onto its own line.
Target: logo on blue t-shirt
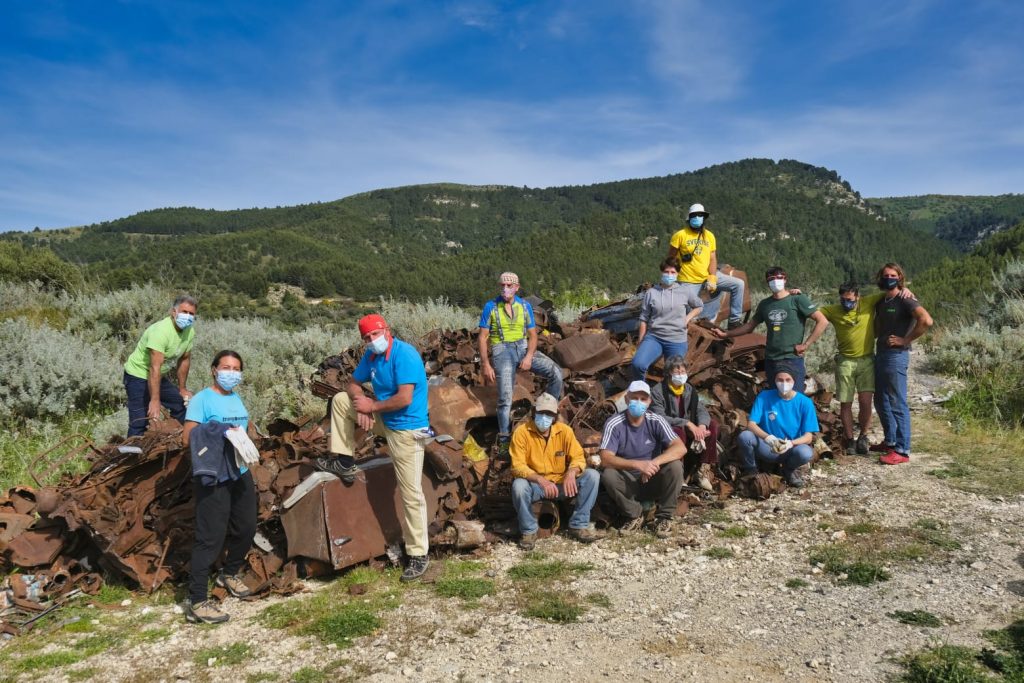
{"x": 772, "y": 415}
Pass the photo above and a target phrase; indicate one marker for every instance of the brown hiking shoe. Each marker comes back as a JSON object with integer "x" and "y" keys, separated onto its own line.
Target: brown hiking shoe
{"x": 528, "y": 541}
{"x": 632, "y": 526}
{"x": 233, "y": 584}
{"x": 587, "y": 535}
{"x": 205, "y": 612}
{"x": 662, "y": 527}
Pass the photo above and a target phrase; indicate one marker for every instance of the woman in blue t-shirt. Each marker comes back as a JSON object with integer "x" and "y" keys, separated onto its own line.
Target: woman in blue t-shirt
{"x": 225, "y": 510}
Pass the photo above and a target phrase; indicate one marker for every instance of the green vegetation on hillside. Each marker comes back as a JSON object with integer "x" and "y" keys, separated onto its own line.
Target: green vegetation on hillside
{"x": 451, "y": 240}
{"x": 963, "y": 221}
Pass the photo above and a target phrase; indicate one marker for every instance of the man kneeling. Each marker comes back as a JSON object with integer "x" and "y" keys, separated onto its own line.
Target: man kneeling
{"x": 641, "y": 458}
{"x": 548, "y": 462}
{"x": 781, "y": 429}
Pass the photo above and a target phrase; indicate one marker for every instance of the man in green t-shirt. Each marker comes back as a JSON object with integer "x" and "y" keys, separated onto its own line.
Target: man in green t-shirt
{"x": 167, "y": 340}
{"x": 785, "y": 315}
{"x": 854, "y": 320}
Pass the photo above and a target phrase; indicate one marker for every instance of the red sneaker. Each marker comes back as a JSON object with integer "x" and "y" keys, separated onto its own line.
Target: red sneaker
{"x": 893, "y": 458}
{"x": 881, "y": 448}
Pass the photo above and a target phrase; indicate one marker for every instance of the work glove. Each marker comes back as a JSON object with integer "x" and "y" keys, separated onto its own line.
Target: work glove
{"x": 772, "y": 441}
{"x": 711, "y": 284}
{"x": 246, "y": 453}
{"x": 697, "y": 446}
{"x": 782, "y": 445}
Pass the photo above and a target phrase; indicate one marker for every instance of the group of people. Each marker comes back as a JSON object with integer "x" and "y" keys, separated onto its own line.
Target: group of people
{"x": 662, "y": 439}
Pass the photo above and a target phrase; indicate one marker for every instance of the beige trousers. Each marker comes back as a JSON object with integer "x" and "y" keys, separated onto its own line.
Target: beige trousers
{"x": 407, "y": 456}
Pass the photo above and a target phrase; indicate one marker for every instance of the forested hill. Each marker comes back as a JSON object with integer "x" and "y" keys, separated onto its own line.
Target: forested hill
{"x": 453, "y": 240}
{"x": 963, "y": 221}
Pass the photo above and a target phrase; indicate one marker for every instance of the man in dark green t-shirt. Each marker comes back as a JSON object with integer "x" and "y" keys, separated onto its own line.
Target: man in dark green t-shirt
{"x": 785, "y": 315}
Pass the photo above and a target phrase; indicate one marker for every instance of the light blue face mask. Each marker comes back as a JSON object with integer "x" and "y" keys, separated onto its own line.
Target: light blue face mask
{"x": 668, "y": 280}
{"x": 543, "y": 421}
{"x": 380, "y": 344}
{"x": 696, "y": 221}
{"x": 184, "y": 320}
{"x": 229, "y": 379}
{"x": 637, "y": 407}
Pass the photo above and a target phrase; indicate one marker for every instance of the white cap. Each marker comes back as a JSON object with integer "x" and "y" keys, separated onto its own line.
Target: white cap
{"x": 639, "y": 386}
{"x": 698, "y": 209}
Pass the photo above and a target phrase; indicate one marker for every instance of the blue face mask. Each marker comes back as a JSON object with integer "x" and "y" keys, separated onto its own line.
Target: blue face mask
{"x": 888, "y": 283}
{"x": 543, "y": 421}
{"x": 637, "y": 407}
{"x": 184, "y": 320}
{"x": 696, "y": 221}
{"x": 229, "y": 379}
{"x": 668, "y": 280}
{"x": 380, "y": 344}
{"x": 847, "y": 304}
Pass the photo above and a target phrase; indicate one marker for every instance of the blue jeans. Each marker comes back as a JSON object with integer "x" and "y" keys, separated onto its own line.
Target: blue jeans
{"x": 753, "y": 449}
{"x": 794, "y": 366}
{"x": 525, "y": 493}
{"x": 138, "y": 402}
{"x": 726, "y": 283}
{"x": 891, "y": 397}
{"x": 652, "y": 348}
{"x": 506, "y": 357}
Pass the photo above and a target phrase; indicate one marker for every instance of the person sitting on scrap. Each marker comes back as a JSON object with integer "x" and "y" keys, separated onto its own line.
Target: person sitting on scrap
{"x": 641, "y": 458}
{"x": 667, "y": 309}
{"x": 507, "y": 343}
{"x": 678, "y": 402}
{"x": 548, "y": 462}
{"x": 781, "y": 429}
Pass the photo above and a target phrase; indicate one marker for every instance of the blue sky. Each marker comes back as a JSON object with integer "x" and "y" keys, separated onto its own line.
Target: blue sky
{"x": 108, "y": 107}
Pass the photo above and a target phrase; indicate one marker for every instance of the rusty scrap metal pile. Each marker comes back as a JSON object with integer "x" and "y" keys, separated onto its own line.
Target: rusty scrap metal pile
{"x": 131, "y": 514}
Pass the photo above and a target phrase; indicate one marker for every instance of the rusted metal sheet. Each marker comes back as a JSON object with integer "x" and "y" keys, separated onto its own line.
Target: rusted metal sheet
{"x": 588, "y": 354}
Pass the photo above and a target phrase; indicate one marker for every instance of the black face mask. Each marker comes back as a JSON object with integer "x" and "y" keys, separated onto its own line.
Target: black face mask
{"x": 888, "y": 283}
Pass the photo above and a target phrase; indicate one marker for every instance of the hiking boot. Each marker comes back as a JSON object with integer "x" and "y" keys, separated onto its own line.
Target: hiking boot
{"x": 893, "y": 458}
{"x": 586, "y": 535}
{"x": 882, "y": 447}
{"x": 528, "y": 541}
{"x": 205, "y": 612}
{"x": 338, "y": 466}
{"x": 850, "y": 446}
{"x": 704, "y": 477}
{"x": 503, "y": 443}
{"x": 416, "y": 568}
{"x": 795, "y": 480}
{"x": 862, "y": 444}
{"x": 632, "y": 526}
{"x": 733, "y": 324}
{"x": 233, "y": 584}
{"x": 662, "y": 527}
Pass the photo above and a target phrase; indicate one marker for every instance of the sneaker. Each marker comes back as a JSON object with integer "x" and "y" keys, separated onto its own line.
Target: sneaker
{"x": 733, "y": 324}
{"x": 234, "y": 585}
{"x": 586, "y": 535}
{"x": 795, "y": 480}
{"x": 893, "y": 458}
{"x": 416, "y": 568}
{"x": 850, "y": 446}
{"x": 336, "y": 466}
{"x": 862, "y": 444}
{"x": 205, "y": 612}
{"x": 662, "y": 527}
{"x": 632, "y": 526}
{"x": 704, "y": 477}
{"x": 528, "y": 541}
{"x": 881, "y": 447}
{"x": 503, "y": 444}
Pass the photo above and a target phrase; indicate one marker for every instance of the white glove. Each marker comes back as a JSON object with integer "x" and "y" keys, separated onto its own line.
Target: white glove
{"x": 772, "y": 441}
{"x": 245, "y": 449}
{"x": 782, "y": 446}
{"x": 697, "y": 446}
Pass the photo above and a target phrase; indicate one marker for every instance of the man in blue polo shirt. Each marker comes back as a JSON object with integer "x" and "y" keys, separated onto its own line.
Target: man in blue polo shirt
{"x": 399, "y": 414}
{"x": 507, "y": 342}
{"x": 781, "y": 430}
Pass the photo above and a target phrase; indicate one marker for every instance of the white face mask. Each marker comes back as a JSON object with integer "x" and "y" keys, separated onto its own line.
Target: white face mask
{"x": 776, "y": 285}
{"x": 679, "y": 380}
{"x": 784, "y": 387}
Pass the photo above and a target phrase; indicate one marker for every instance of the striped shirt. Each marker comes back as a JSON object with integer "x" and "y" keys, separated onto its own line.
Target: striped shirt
{"x": 645, "y": 441}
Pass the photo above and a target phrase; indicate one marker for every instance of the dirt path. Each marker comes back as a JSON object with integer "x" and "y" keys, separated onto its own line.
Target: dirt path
{"x": 667, "y": 610}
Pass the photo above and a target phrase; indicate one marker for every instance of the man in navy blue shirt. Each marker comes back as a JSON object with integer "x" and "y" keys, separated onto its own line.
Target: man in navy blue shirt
{"x": 399, "y": 414}
{"x": 781, "y": 430}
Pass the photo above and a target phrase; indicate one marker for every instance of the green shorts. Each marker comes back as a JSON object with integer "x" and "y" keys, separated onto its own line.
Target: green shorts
{"x": 854, "y": 375}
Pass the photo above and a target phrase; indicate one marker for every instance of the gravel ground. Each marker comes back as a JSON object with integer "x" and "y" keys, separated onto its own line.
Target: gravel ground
{"x": 675, "y": 613}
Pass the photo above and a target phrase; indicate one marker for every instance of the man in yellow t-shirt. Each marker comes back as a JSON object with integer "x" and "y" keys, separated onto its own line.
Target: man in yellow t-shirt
{"x": 854, "y": 321}
{"x": 695, "y": 248}
{"x": 168, "y": 339}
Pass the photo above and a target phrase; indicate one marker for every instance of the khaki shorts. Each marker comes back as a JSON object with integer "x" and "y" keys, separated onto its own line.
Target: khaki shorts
{"x": 854, "y": 375}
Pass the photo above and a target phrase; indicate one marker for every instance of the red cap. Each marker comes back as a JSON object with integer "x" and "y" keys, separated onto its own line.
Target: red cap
{"x": 369, "y": 323}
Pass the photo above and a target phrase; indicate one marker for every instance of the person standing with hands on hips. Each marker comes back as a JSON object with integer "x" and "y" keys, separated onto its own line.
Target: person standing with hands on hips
{"x": 166, "y": 340}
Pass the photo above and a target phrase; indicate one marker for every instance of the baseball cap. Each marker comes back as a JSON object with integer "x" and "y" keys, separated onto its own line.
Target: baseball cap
{"x": 639, "y": 386}
{"x": 369, "y": 323}
{"x": 546, "y": 403}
